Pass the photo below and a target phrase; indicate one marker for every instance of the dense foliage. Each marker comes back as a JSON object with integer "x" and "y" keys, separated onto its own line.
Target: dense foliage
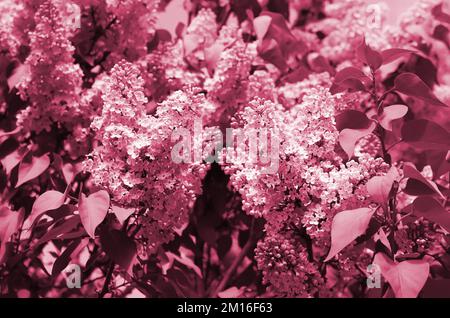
{"x": 93, "y": 90}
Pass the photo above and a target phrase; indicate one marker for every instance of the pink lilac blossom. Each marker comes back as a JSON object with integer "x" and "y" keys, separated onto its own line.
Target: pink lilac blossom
{"x": 132, "y": 156}
{"x": 54, "y": 84}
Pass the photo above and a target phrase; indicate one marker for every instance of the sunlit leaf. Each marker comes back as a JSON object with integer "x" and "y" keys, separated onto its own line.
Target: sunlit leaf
{"x": 346, "y": 227}
{"x": 391, "y": 113}
{"x": 93, "y": 210}
{"x": 29, "y": 170}
{"x": 406, "y": 278}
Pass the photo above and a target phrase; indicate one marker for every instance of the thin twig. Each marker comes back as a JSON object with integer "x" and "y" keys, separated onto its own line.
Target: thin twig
{"x": 237, "y": 261}
{"x": 105, "y": 288}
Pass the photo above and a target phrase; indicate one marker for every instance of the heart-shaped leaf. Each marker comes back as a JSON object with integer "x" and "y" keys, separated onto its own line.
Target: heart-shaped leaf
{"x": 93, "y": 210}
{"x": 29, "y": 170}
{"x": 121, "y": 213}
{"x": 349, "y": 137}
{"x": 410, "y": 84}
{"x": 47, "y": 201}
{"x": 346, "y": 227}
{"x": 406, "y": 278}
{"x": 391, "y": 113}
{"x": 432, "y": 210}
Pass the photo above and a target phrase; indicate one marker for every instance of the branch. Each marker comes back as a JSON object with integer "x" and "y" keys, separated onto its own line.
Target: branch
{"x": 105, "y": 288}
{"x": 237, "y": 261}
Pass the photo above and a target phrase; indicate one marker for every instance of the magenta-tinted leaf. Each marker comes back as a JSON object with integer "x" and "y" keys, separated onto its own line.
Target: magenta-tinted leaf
{"x": 410, "y": 84}
{"x": 438, "y": 161}
{"x": 275, "y": 40}
{"x": 119, "y": 247}
{"x": 436, "y": 288}
{"x": 350, "y": 84}
{"x": 349, "y": 137}
{"x": 391, "y": 113}
{"x": 320, "y": 64}
{"x": 10, "y": 222}
{"x": 432, "y": 210}
{"x": 58, "y": 231}
{"x": 49, "y": 200}
{"x": 121, "y": 213}
{"x": 245, "y": 9}
{"x": 440, "y": 15}
{"x": 280, "y": 31}
{"x": 425, "y": 135}
{"x": 270, "y": 51}
{"x": 350, "y": 78}
{"x": 442, "y": 33}
{"x": 351, "y": 72}
{"x": 391, "y": 55}
{"x": 232, "y": 292}
{"x": 10, "y": 161}
{"x": 64, "y": 259}
{"x": 346, "y": 227}
{"x": 29, "y": 170}
{"x": 93, "y": 210}
{"x": 369, "y": 56}
{"x": 69, "y": 171}
{"x": 261, "y": 25}
{"x": 411, "y": 172}
{"x": 297, "y": 75}
{"x": 379, "y": 187}
{"x": 352, "y": 119}
{"x": 406, "y": 278}
{"x": 160, "y": 36}
{"x": 382, "y": 237}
